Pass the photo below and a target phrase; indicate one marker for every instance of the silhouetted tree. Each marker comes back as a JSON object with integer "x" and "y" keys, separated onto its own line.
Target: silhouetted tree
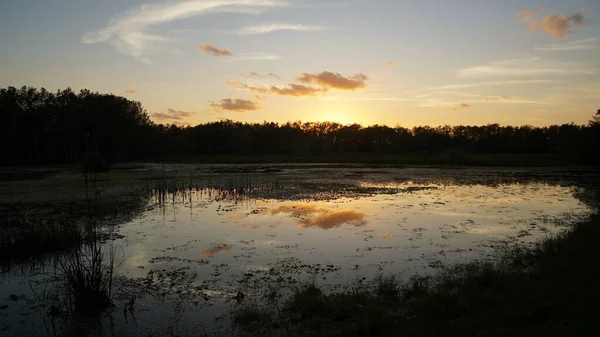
{"x": 40, "y": 127}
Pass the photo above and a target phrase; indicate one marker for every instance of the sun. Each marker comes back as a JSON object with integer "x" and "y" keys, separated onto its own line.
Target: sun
{"x": 338, "y": 118}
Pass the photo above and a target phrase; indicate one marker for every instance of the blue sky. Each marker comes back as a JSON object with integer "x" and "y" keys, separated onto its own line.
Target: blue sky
{"x": 407, "y": 62}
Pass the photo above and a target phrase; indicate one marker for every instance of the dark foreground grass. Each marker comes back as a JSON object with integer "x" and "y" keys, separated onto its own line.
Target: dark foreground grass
{"x": 31, "y": 240}
{"x": 551, "y": 290}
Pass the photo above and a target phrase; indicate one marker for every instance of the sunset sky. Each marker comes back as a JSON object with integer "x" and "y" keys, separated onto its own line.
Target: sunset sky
{"x": 407, "y": 62}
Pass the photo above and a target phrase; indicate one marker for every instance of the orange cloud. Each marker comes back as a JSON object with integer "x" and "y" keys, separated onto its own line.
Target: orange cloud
{"x": 215, "y": 249}
{"x": 172, "y": 115}
{"x": 328, "y": 79}
{"x": 555, "y": 25}
{"x": 240, "y": 105}
{"x": 297, "y": 90}
{"x": 210, "y": 49}
{"x": 131, "y": 91}
{"x": 313, "y": 84}
{"x": 455, "y": 107}
{"x": 388, "y": 64}
{"x": 387, "y": 236}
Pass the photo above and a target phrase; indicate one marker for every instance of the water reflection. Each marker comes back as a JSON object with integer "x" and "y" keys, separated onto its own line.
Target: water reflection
{"x": 216, "y": 249}
{"x": 334, "y": 219}
{"x": 305, "y": 225}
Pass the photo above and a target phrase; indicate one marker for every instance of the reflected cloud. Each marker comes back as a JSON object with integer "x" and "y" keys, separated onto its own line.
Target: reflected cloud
{"x": 387, "y": 236}
{"x": 308, "y": 215}
{"x": 334, "y": 219}
{"x": 216, "y": 249}
{"x": 313, "y": 215}
{"x": 297, "y": 209}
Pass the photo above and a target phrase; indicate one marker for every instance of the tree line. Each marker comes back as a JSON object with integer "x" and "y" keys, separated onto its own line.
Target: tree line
{"x": 42, "y": 127}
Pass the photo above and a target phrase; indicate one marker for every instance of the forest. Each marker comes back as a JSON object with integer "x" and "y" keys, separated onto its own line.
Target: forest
{"x": 43, "y": 127}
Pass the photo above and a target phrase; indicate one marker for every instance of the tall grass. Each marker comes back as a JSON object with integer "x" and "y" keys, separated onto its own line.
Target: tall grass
{"x": 29, "y": 242}
{"x": 83, "y": 278}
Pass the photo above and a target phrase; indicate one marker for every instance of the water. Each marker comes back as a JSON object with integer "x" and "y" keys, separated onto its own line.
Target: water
{"x": 208, "y": 234}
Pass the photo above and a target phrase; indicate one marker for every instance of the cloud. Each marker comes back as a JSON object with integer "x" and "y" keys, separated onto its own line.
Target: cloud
{"x": 255, "y": 74}
{"x": 131, "y": 91}
{"x": 297, "y": 90}
{"x": 210, "y": 49}
{"x": 254, "y": 57}
{"x": 585, "y": 44}
{"x": 522, "y": 68}
{"x": 328, "y": 79}
{"x": 555, "y": 25}
{"x": 273, "y": 27}
{"x": 389, "y": 64}
{"x": 172, "y": 114}
{"x": 128, "y": 32}
{"x": 484, "y": 84}
{"x": 387, "y": 236}
{"x": 274, "y": 75}
{"x": 240, "y": 105}
{"x": 312, "y": 85}
{"x": 216, "y": 249}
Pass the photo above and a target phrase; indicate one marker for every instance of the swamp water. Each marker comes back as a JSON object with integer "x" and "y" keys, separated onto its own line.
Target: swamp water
{"x": 207, "y": 234}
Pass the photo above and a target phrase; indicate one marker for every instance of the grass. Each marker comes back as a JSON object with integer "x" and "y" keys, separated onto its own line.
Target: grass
{"x": 547, "y": 291}
{"x": 29, "y": 241}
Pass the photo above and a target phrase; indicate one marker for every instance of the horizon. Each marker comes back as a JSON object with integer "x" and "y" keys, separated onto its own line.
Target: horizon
{"x": 413, "y": 64}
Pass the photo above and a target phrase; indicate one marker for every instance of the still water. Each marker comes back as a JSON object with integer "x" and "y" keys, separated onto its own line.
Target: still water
{"x": 204, "y": 238}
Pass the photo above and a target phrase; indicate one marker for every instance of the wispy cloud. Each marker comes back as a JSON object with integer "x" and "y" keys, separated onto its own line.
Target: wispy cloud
{"x": 128, "y": 32}
{"x": 522, "y": 68}
{"x": 555, "y": 25}
{"x": 274, "y": 27}
{"x": 255, "y": 74}
{"x": 362, "y": 98}
{"x": 240, "y": 105}
{"x": 311, "y": 84}
{"x": 131, "y": 91}
{"x": 485, "y": 84}
{"x": 210, "y": 49}
{"x": 253, "y": 57}
{"x": 175, "y": 116}
{"x": 389, "y": 64}
{"x": 585, "y": 44}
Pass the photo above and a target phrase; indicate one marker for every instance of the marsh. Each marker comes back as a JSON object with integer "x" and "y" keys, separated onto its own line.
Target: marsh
{"x": 190, "y": 238}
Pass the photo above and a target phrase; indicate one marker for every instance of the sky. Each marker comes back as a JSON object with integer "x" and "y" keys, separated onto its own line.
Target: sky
{"x": 409, "y": 62}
